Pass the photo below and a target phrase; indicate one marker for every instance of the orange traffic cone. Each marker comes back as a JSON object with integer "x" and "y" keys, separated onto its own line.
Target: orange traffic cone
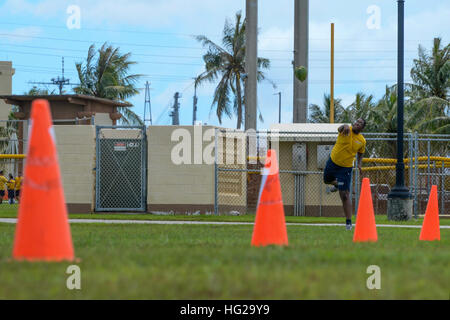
{"x": 365, "y": 229}
{"x": 430, "y": 228}
{"x": 42, "y": 231}
{"x": 270, "y": 225}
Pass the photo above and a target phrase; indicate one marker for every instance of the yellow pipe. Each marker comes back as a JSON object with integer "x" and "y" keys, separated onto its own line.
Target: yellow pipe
{"x": 256, "y": 158}
{"x": 422, "y": 166}
{"x": 386, "y": 160}
{"x": 12, "y": 156}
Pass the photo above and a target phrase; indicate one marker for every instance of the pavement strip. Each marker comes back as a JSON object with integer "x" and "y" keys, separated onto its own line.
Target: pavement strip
{"x": 14, "y": 220}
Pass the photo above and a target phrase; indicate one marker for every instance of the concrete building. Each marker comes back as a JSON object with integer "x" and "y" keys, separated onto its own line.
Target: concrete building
{"x": 73, "y": 106}
{"x": 64, "y": 107}
{"x": 6, "y": 74}
{"x": 306, "y": 150}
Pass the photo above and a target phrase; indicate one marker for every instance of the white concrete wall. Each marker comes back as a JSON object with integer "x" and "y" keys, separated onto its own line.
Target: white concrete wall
{"x": 177, "y": 184}
{"x": 102, "y": 119}
{"x": 6, "y": 73}
{"x": 76, "y": 153}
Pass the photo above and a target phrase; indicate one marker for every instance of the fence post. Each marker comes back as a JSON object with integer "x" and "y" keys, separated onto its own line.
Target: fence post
{"x": 410, "y": 152}
{"x": 356, "y": 190}
{"x": 429, "y": 164}
{"x": 216, "y": 177}
{"x": 442, "y": 187}
{"x": 416, "y": 173}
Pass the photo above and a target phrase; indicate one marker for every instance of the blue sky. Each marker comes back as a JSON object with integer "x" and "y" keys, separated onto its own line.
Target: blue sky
{"x": 34, "y": 35}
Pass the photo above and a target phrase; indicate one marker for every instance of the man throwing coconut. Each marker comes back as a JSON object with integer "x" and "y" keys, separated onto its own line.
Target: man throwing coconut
{"x": 338, "y": 170}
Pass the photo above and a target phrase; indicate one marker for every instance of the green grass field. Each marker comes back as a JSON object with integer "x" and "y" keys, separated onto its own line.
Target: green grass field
{"x": 10, "y": 211}
{"x": 217, "y": 262}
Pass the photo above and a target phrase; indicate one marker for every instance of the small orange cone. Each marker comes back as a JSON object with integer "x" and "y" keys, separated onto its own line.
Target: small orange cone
{"x": 430, "y": 228}
{"x": 365, "y": 229}
{"x": 42, "y": 231}
{"x": 270, "y": 225}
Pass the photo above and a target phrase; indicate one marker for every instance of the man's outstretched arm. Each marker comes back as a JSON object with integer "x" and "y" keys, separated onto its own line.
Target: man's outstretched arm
{"x": 344, "y": 129}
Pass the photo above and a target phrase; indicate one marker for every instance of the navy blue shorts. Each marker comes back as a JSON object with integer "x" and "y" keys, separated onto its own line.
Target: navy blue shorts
{"x": 342, "y": 175}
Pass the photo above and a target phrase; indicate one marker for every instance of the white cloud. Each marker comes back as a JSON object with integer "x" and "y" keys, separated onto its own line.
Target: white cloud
{"x": 276, "y": 38}
{"x": 21, "y": 34}
{"x": 46, "y": 8}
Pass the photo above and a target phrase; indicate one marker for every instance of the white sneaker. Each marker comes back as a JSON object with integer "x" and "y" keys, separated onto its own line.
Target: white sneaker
{"x": 329, "y": 190}
{"x": 348, "y": 227}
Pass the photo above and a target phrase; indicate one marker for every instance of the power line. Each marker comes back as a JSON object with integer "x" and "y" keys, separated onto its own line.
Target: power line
{"x": 216, "y": 35}
{"x": 173, "y": 47}
{"x": 58, "y": 81}
{"x": 197, "y": 57}
{"x": 170, "y": 62}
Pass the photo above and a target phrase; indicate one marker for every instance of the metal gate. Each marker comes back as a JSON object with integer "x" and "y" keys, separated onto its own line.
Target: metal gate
{"x": 121, "y": 168}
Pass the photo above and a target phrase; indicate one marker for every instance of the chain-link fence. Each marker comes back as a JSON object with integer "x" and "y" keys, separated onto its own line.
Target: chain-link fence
{"x": 121, "y": 168}
{"x": 302, "y": 158}
{"x": 12, "y": 144}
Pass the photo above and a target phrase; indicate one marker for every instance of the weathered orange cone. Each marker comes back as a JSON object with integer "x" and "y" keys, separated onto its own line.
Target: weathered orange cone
{"x": 430, "y": 227}
{"x": 42, "y": 231}
{"x": 270, "y": 224}
{"x": 365, "y": 229}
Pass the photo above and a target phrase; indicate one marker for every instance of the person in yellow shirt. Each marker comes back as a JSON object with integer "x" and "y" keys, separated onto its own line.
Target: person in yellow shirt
{"x": 11, "y": 184}
{"x": 18, "y": 185}
{"x": 338, "y": 170}
{"x": 3, "y": 181}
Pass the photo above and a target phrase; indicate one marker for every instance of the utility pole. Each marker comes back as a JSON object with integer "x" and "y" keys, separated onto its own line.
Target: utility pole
{"x": 279, "y": 106}
{"x": 60, "y": 82}
{"x": 251, "y": 66}
{"x": 194, "y": 107}
{"x": 301, "y": 33}
{"x": 147, "y": 104}
{"x": 399, "y": 198}
{"x": 175, "y": 113}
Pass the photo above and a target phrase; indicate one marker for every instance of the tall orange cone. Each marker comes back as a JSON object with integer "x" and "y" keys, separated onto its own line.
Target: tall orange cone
{"x": 430, "y": 228}
{"x": 42, "y": 231}
{"x": 270, "y": 224}
{"x": 365, "y": 229}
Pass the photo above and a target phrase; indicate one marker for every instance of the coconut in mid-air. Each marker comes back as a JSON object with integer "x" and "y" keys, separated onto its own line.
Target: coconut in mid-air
{"x": 300, "y": 73}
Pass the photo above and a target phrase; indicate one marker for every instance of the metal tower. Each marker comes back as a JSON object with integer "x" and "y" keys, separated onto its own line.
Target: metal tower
{"x": 147, "y": 104}
{"x": 175, "y": 114}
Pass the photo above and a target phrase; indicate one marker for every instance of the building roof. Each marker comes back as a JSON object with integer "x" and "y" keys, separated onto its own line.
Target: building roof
{"x": 307, "y": 127}
{"x": 14, "y": 99}
{"x": 314, "y": 132}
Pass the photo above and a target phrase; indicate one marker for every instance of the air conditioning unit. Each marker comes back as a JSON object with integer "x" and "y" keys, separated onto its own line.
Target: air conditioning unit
{"x": 299, "y": 157}
{"x": 323, "y": 153}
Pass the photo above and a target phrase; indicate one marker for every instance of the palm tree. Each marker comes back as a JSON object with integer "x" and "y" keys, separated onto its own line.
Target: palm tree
{"x": 383, "y": 119}
{"x": 362, "y": 107}
{"x": 430, "y": 115}
{"x": 318, "y": 114}
{"x": 429, "y": 94}
{"x": 35, "y": 91}
{"x": 226, "y": 63}
{"x": 384, "y": 114}
{"x": 105, "y": 74}
{"x": 431, "y": 73}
